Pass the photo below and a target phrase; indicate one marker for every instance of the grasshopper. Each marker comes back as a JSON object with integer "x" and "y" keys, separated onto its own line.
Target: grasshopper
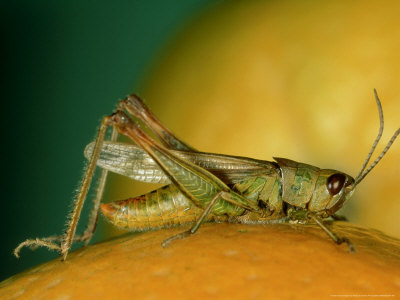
{"x": 201, "y": 187}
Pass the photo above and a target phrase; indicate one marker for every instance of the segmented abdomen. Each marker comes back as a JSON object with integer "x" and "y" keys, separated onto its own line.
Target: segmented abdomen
{"x": 168, "y": 207}
{"x": 164, "y": 207}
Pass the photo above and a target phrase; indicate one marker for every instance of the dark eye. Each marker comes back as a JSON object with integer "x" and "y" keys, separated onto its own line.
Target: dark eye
{"x": 335, "y": 183}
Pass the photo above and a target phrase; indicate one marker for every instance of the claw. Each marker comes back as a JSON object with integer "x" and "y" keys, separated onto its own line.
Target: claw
{"x": 341, "y": 240}
{"x": 178, "y": 236}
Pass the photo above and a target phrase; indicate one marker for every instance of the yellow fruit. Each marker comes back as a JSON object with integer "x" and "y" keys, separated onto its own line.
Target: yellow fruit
{"x": 222, "y": 261}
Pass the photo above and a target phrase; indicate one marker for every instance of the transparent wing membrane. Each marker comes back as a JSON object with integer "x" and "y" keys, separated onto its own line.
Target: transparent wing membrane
{"x": 128, "y": 160}
{"x": 131, "y": 161}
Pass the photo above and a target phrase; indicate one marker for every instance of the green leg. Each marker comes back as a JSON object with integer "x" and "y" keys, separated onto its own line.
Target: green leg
{"x": 135, "y": 106}
{"x": 199, "y": 185}
{"x": 196, "y": 226}
{"x": 333, "y": 236}
{"x": 196, "y": 183}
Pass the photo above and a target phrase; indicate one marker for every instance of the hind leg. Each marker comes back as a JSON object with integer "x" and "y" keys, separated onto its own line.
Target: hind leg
{"x": 136, "y": 107}
{"x": 68, "y": 237}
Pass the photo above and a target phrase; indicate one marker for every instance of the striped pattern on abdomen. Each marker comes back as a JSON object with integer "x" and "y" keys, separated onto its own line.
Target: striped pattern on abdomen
{"x": 161, "y": 208}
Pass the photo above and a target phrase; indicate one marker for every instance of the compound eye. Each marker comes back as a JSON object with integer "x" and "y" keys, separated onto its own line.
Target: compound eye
{"x": 335, "y": 183}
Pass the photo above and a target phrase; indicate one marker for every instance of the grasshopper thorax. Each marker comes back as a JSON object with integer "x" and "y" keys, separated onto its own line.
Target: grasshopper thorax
{"x": 321, "y": 191}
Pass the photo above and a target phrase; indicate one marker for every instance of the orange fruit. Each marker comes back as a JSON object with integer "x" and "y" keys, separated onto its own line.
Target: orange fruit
{"x": 221, "y": 261}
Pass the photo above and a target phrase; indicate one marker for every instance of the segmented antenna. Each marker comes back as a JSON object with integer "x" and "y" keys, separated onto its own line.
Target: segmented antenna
{"x": 378, "y": 102}
{"x": 362, "y": 174}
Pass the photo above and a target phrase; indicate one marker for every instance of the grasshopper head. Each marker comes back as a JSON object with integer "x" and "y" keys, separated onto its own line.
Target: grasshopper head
{"x": 323, "y": 191}
{"x": 332, "y": 189}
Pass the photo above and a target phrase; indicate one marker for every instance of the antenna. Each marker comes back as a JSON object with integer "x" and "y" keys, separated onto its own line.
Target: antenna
{"x": 362, "y": 174}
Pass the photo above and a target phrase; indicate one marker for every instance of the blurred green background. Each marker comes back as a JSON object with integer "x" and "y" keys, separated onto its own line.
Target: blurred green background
{"x": 65, "y": 65}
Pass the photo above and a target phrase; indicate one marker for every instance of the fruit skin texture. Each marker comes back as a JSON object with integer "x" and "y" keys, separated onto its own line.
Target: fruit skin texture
{"x": 222, "y": 261}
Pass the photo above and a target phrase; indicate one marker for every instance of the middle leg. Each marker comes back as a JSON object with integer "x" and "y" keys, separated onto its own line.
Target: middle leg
{"x": 338, "y": 240}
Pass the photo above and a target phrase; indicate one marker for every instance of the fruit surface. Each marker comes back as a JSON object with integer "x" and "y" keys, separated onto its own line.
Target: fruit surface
{"x": 222, "y": 261}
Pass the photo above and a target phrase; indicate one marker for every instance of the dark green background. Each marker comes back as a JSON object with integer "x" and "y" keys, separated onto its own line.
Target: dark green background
{"x": 65, "y": 65}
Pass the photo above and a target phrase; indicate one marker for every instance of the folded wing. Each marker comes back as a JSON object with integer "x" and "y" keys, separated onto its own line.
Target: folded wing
{"x": 131, "y": 161}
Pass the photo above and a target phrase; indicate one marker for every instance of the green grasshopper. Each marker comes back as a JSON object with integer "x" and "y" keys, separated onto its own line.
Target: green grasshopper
{"x": 201, "y": 187}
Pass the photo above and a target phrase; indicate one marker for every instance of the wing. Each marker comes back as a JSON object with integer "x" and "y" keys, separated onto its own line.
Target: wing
{"x": 128, "y": 160}
{"x": 131, "y": 161}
